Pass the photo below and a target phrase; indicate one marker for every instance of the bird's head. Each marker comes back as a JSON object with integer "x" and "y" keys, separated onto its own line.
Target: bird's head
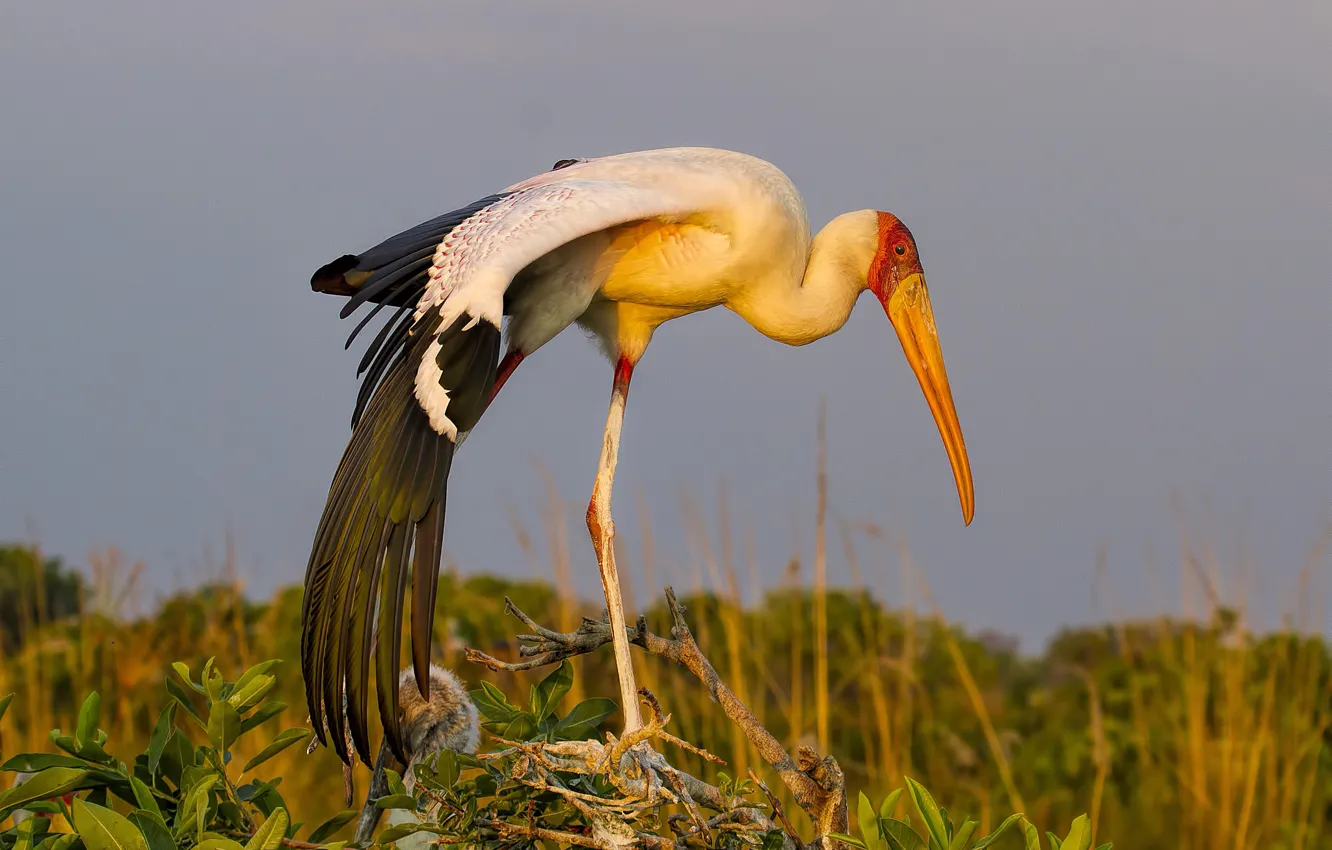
{"x": 898, "y": 281}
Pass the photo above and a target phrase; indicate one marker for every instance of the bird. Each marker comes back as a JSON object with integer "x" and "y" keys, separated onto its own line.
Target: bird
{"x": 448, "y": 720}
{"x": 616, "y": 245}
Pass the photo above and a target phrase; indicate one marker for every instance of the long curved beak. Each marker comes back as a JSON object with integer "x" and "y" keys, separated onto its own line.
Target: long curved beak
{"x": 912, "y": 316}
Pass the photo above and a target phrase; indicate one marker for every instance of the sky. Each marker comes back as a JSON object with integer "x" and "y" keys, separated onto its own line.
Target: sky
{"x": 1123, "y": 211}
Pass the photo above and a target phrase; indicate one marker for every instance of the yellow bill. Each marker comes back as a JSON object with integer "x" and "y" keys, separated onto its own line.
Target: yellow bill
{"x": 912, "y": 316}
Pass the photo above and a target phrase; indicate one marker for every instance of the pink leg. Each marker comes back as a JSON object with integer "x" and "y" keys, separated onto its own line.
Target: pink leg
{"x": 602, "y": 528}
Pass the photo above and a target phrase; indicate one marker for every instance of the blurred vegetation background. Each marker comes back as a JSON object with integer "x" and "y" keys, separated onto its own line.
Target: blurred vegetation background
{"x": 1189, "y": 732}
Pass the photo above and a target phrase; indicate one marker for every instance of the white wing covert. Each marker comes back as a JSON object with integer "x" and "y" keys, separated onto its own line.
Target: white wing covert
{"x": 477, "y": 261}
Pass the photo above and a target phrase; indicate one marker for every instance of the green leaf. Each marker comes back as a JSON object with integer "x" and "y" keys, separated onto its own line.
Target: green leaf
{"x": 1055, "y": 843}
{"x": 280, "y": 743}
{"x": 270, "y": 835}
{"x": 550, "y": 690}
{"x": 889, "y": 804}
{"x": 176, "y": 756}
{"x": 396, "y": 801}
{"x": 522, "y": 727}
{"x": 332, "y": 825}
{"x": 29, "y": 830}
{"x": 183, "y": 699}
{"x": 154, "y": 830}
{"x": 195, "y": 810}
{"x": 997, "y": 834}
{"x": 847, "y": 839}
{"x": 231, "y": 814}
{"x": 253, "y": 673}
{"x": 161, "y": 731}
{"x": 588, "y": 714}
{"x": 44, "y": 807}
{"x": 267, "y": 711}
{"x": 485, "y": 785}
{"x": 492, "y": 703}
{"x": 900, "y": 836}
{"x": 4, "y": 704}
{"x": 92, "y": 751}
{"x": 254, "y": 691}
{"x": 223, "y": 725}
{"x": 266, "y": 798}
{"x": 1031, "y": 835}
{"x": 440, "y": 772}
{"x": 33, "y": 762}
{"x": 218, "y": 843}
{"x": 203, "y": 802}
{"x": 144, "y": 796}
{"x": 962, "y": 837}
{"x": 447, "y": 769}
{"x": 214, "y": 687}
{"x": 64, "y": 842}
{"x": 929, "y": 811}
{"x": 63, "y": 741}
{"x": 1079, "y": 834}
{"x": 102, "y": 829}
{"x": 88, "y": 716}
{"x": 183, "y": 671}
{"x": 191, "y": 777}
{"x": 211, "y": 680}
{"x": 869, "y": 824}
{"x": 52, "y": 782}
{"x": 1106, "y": 846}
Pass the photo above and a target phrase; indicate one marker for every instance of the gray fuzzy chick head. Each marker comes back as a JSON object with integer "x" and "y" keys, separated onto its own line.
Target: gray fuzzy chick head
{"x": 448, "y": 721}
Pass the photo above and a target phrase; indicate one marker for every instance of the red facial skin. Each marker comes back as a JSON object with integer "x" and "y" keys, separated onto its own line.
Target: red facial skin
{"x": 889, "y": 266}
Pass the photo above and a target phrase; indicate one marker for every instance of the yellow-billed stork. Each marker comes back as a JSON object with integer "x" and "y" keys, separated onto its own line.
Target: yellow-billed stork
{"x": 618, "y": 245}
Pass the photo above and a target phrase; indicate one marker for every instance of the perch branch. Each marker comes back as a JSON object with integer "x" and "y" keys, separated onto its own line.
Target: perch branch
{"x": 818, "y": 785}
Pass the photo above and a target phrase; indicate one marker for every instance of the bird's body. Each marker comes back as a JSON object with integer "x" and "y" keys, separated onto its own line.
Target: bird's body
{"x": 742, "y": 242}
{"x": 618, "y": 245}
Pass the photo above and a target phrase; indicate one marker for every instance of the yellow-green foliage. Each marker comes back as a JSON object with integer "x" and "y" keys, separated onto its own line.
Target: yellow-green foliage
{"x": 1170, "y": 734}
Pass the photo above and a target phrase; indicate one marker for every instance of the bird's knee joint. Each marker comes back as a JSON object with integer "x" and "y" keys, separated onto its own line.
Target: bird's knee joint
{"x": 594, "y": 525}
{"x": 593, "y": 521}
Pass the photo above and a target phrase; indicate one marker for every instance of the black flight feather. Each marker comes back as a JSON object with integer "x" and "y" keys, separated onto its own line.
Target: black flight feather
{"x": 383, "y": 523}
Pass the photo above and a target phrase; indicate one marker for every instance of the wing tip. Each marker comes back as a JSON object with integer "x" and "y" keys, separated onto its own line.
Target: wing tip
{"x": 331, "y": 279}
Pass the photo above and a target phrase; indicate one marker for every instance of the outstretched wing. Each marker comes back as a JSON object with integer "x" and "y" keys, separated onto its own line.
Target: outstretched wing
{"x": 428, "y": 377}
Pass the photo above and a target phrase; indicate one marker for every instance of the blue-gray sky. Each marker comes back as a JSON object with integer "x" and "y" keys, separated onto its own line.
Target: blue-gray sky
{"x": 1123, "y": 209}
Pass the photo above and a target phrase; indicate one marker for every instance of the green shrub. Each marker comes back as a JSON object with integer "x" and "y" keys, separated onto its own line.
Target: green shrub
{"x": 181, "y": 794}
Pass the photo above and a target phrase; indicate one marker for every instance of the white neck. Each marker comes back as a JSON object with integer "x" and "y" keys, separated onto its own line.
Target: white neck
{"x": 798, "y": 311}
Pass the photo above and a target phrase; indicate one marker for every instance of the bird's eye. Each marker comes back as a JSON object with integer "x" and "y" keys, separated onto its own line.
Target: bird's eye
{"x": 900, "y": 249}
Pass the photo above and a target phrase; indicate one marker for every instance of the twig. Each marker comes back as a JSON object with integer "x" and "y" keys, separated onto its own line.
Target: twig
{"x": 777, "y": 811}
{"x": 370, "y": 813}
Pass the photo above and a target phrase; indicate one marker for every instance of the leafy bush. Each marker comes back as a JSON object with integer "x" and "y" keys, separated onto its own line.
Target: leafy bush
{"x": 181, "y": 794}
{"x": 880, "y": 829}
{"x": 177, "y": 793}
